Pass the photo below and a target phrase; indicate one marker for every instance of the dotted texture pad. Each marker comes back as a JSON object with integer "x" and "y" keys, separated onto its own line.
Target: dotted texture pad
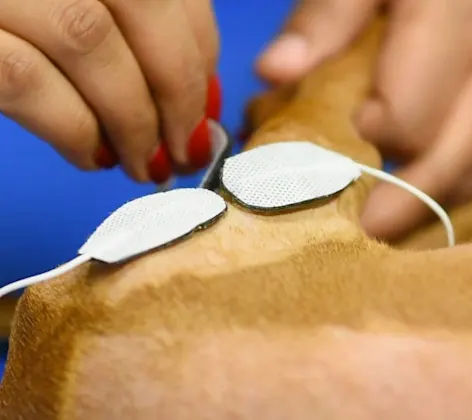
{"x": 152, "y": 222}
{"x": 285, "y": 174}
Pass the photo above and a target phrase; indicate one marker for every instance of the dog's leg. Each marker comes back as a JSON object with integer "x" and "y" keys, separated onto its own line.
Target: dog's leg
{"x": 294, "y": 315}
{"x": 258, "y": 316}
{"x": 264, "y": 106}
{"x": 242, "y": 273}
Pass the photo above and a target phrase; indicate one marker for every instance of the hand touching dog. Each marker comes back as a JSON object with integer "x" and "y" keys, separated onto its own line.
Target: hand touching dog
{"x": 132, "y": 76}
{"x": 418, "y": 113}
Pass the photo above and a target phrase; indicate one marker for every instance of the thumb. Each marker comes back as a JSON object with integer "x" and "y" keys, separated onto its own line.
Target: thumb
{"x": 391, "y": 212}
{"x": 315, "y": 30}
{"x": 376, "y": 124}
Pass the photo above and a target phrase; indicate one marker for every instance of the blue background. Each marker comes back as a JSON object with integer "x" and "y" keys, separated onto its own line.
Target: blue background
{"x": 48, "y": 208}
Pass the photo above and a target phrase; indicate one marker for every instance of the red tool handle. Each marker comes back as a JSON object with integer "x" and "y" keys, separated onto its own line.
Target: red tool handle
{"x": 199, "y": 146}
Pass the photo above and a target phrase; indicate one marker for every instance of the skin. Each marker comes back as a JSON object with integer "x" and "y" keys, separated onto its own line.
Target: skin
{"x": 418, "y": 111}
{"x": 78, "y": 73}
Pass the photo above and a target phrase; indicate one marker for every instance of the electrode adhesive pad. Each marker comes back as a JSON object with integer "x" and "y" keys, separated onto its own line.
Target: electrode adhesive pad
{"x": 152, "y": 222}
{"x": 269, "y": 177}
{"x": 282, "y": 175}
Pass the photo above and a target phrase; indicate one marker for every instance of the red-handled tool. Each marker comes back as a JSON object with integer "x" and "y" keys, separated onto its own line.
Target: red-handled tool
{"x": 199, "y": 148}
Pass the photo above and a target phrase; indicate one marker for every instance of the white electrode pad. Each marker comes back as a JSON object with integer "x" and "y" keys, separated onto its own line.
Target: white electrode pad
{"x": 285, "y": 174}
{"x": 152, "y": 222}
{"x": 270, "y": 177}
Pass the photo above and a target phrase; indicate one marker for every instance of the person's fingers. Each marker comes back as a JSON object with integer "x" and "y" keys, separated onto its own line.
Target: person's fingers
{"x": 390, "y": 212}
{"x": 425, "y": 61}
{"x": 316, "y": 30}
{"x": 202, "y": 19}
{"x": 375, "y": 125}
{"x": 161, "y": 36}
{"x": 82, "y": 39}
{"x": 36, "y": 95}
{"x": 203, "y": 22}
{"x": 462, "y": 193}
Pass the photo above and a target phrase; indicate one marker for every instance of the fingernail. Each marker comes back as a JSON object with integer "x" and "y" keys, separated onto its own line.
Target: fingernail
{"x": 371, "y": 219}
{"x": 286, "y": 57}
{"x": 199, "y": 146}
{"x": 370, "y": 118}
{"x": 213, "y": 107}
{"x": 159, "y": 167}
{"x": 380, "y": 215}
{"x": 377, "y": 125}
{"x": 371, "y": 112}
{"x": 105, "y": 158}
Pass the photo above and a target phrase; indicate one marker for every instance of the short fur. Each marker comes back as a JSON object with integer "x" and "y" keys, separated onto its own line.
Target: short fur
{"x": 291, "y": 316}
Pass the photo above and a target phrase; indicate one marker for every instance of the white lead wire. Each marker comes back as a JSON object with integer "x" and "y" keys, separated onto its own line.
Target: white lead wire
{"x": 433, "y": 205}
{"x": 20, "y": 284}
{"x": 384, "y": 176}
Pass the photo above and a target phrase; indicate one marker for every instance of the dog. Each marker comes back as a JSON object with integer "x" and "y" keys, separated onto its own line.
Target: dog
{"x": 294, "y": 315}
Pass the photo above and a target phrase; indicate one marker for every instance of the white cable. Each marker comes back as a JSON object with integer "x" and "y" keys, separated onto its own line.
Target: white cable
{"x": 433, "y": 205}
{"x": 20, "y": 284}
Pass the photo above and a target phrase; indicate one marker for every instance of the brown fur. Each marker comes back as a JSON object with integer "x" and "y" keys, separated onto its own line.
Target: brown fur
{"x": 296, "y": 315}
{"x": 7, "y": 308}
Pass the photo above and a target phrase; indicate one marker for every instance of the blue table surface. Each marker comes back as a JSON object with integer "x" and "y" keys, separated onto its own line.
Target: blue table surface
{"x": 48, "y": 208}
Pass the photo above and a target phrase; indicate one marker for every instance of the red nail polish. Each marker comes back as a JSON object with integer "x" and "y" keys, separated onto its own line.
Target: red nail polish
{"x": 213, "y": 108}
{"x": 105, "y": 158}
{"x": 199, "y": 146}
{"x": 160, "y": 168}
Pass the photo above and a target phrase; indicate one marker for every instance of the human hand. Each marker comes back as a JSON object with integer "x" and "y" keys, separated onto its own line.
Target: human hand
{"x": 85, "y": 73}
{"x": 419, "y": 113}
